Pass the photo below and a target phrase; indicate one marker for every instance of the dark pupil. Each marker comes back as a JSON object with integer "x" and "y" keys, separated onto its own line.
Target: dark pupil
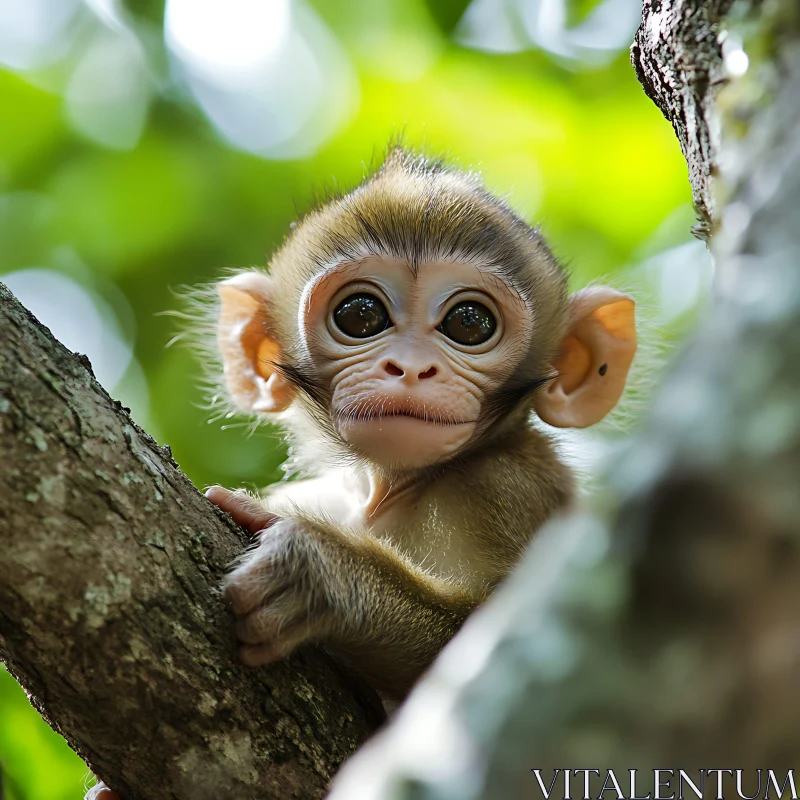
{"x": 469, "y": 323}
{"x": 361, "y": 316}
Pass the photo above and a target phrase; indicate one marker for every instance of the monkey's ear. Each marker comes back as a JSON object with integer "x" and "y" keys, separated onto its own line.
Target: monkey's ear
{"x": 248, "y": 350}
{"x": 596, "y": 355}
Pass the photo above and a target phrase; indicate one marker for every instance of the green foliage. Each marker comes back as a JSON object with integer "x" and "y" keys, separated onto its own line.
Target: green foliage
{"x": 30, "y": 126}
{"x": 584, "y": 153}
{"x": 447, "y": 13}
{"x": 150, "y": 10}
{"x": 579, "y": 9}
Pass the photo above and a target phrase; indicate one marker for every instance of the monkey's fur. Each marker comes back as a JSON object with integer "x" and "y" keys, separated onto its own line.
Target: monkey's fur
{"x": 385, "y": 586}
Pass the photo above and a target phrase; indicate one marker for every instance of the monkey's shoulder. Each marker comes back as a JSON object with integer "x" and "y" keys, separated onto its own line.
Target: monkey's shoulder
{"x": 519, "y": 473}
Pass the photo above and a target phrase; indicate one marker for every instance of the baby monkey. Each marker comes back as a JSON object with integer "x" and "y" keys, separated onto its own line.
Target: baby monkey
{"x": 403, "y": 336}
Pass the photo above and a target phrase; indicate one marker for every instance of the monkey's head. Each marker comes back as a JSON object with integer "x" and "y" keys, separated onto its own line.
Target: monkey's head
{"x": 417, "y": 316}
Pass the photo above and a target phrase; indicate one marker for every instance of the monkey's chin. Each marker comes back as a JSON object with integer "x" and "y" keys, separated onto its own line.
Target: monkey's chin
{"x": 405, "y": 442}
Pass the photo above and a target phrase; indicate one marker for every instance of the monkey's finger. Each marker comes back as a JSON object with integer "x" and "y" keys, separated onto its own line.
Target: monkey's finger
{"x": 265, "y": 625}
{"x": 101, "y": 792}
{"x": 251, "y": 585}
{"x": 246, "y": 511}
{"x": 255, "y": 655}
{"x": 244, "y": 590}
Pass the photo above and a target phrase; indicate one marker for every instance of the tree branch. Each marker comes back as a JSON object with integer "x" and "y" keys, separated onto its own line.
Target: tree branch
{"x": 108, "y": 611}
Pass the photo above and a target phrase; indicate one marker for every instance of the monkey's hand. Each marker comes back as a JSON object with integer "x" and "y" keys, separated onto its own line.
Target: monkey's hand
{"x": 312, "y": 580}
{"x": 274, "y": 589}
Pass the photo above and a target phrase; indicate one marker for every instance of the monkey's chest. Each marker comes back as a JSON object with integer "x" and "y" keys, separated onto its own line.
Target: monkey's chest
{"x": 430, "y": 537}
{"x": 423, "y": 531}
{"x": 332, "y": 497}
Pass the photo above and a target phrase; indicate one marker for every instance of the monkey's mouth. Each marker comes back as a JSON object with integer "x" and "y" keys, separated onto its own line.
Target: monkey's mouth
{"x": 384, "y": 410}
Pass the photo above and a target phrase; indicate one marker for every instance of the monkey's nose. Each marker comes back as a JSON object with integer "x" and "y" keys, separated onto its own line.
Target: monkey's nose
{"x": 399, "y": 372}
{"x": 393, "y": 369}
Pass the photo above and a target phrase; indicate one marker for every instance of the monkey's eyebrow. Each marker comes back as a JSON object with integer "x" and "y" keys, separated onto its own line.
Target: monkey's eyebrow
{"x": 489, "y": 277}
{"x": 333, "y": 271}
{"x": 339, "y": 269}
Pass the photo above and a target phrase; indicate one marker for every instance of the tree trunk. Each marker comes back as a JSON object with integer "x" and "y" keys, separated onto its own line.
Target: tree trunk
{"x": 663, "y": 632}
{"x": 108, "y": 612}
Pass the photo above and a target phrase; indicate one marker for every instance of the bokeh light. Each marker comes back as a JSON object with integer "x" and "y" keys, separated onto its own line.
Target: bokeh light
{"x": 37, "y": 32}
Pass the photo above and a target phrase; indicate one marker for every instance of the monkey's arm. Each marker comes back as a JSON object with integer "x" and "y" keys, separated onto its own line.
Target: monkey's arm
{"x": 311, "y": 580}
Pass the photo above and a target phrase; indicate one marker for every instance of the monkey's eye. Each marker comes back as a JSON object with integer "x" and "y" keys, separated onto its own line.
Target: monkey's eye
{"x": 469, "y": 323}
{"x": 361, "y": 316}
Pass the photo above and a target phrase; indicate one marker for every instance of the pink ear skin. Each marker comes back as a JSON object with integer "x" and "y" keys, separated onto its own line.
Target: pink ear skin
{"x": 596, "y": 355}
{"x": 248, "y": 351}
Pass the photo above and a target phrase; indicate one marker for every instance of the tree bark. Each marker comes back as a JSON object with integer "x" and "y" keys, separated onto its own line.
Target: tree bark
{"x": 677, "y": 55}
{"x": 663, "y": 631}
{"x": 108, "y": 611}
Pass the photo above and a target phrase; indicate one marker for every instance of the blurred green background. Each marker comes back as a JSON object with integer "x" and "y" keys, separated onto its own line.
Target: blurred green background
{"x": 144, "y": 148}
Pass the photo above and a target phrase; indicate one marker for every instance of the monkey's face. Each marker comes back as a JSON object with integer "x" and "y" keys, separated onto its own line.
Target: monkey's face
{"x": 409, "y": 366}
{"x": 411, "y": 357}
